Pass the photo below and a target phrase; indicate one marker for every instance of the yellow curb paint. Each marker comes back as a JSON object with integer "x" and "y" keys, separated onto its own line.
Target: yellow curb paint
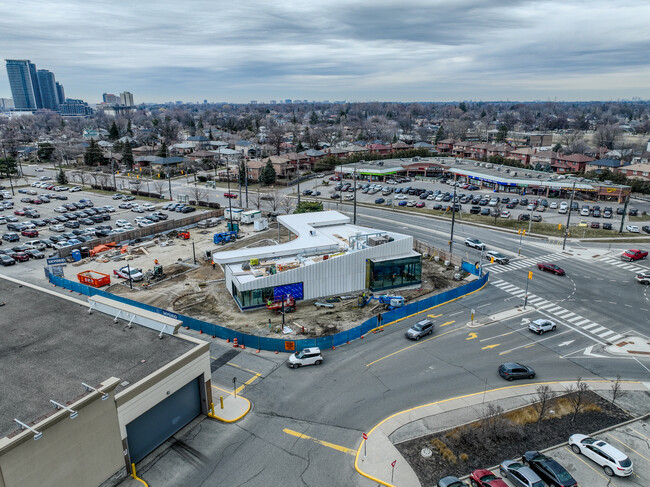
{"x": 471, "y": 336}
{"x": 448, "y": 323}
{"x": 340, "y": 448}
{"x": 237, "y": 418}
{"x": 409, "y": 347}
{"x": 487, "y": 347}
{"x": 442, "y": 401}
{"x": 434, "y": 316}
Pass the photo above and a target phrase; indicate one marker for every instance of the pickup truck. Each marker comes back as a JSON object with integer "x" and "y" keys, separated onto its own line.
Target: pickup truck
{"x": 634, "y": 254}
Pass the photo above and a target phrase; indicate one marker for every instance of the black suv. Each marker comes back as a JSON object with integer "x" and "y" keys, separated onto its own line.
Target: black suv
{"x": 551, "y": 472}
{"x": 513, "y": 370}
{"x": 475, "y": 210}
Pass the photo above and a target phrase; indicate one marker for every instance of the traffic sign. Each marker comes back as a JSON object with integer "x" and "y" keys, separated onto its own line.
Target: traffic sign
{"x": 365, "y": 436}
{"x": 393, "y": 464}
{"x": 530, "y": 274}
{"x": 56, "y": 260}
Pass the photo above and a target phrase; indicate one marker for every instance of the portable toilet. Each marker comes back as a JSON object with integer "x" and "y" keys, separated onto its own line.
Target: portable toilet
{"x": 76, "y": 255}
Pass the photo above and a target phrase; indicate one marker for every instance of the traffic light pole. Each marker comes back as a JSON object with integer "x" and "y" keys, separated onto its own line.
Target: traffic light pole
{"x": 568, "y": 218}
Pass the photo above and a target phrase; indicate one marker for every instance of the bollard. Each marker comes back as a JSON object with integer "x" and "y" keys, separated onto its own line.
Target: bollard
{"x": 234, "y": 343}
{"x": 221, "y": 399}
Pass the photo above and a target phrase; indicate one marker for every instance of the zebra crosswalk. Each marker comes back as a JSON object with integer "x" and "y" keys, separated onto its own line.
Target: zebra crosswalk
{"x": 574, "y": 319}
{"x": 630, "y": 266}
{"x": 520, "y": 264}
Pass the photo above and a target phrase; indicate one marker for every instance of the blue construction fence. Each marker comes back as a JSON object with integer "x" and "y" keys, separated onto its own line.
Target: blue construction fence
{"x": 278, "y": 344}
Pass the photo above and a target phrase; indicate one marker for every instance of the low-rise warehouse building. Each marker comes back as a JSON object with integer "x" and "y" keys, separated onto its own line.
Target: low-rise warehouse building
{"x": 97, "y": 392}
{"x": 329, "y": 256}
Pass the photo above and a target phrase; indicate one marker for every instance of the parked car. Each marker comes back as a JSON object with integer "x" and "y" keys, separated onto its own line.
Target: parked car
{"x": 11, "y": 237}
{"x": 548, "y": 469}
{"x": 520, "y": 475}
{"x": 420, "y": 329}
{"x": 548, "y": 267}
{"x": 497, "y": 256}
{"x": 379, "y": 201}
{"x": 505, "y": 214}
{"x": 613, "y": 461}
{"x": 127, "y": 272}
{"x": 29, "y": 233}
{"x": 514, "y": 370}
{"x": 35, "y": 254}
{"x": 451, "y": 481}
{"x": 474, "y": 243}
{"x": 646, "y": 228}
{"x": 5, "y": 260}
{"x": 541, "y": 325}
{"x": 632, "y": 228}
{"x": 57, "y": 228}
{"x": 308, "y": 356}
{"x": 475, "y": 210}
{"x": 634, "y": 254}
{"x": 485, "y": 478}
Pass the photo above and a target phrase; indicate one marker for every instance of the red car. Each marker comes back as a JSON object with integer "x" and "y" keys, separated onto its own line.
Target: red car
{"x": 485, "y": 478}
{"x": 30, "y": 233}
{"x": 19, "y": 212}
{"x": 548, "y": 267}
{"x": 634, "y": 254}
{"x": 20, "y": 256}
{"x": 419, "y": 204}
{"x": 230, "y": 195}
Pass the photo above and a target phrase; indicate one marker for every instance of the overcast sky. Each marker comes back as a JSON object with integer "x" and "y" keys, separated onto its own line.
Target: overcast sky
{"x": 407, "y": 50}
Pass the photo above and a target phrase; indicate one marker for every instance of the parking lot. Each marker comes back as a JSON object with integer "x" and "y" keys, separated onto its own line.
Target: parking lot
{"x": 41, "y": 219}
{"x": 438, "y": 196}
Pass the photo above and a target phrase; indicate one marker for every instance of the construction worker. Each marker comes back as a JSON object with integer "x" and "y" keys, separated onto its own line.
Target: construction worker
{"x": 156, "y": 262}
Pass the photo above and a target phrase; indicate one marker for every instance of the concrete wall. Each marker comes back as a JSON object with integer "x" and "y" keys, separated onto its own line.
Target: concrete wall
{"x": 338, "y": 275}
{"x": 82, "y": 452}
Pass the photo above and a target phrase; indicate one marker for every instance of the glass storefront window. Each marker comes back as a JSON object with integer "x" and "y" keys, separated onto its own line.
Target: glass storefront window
{"x": 394, "y": 273}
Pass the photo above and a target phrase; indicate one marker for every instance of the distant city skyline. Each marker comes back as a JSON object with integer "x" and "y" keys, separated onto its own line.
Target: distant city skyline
{"x": 413, "y": 50}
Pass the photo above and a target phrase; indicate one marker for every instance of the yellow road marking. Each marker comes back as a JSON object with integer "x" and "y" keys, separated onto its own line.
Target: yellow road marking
{"x": 409, "y": 347}
{"x": 531, "y": 345}
{"x": 222, "y": 390}
{"x": 608, "y": 479}
{"x": 471, "y": 336}
{"x": 487, "y": 347}
{"x": 248, "y": 382}
{"x": 340, "y": 448}
{"x": 629, "y": 447}
{"x": 503, "y": 353}
{"x": 243, "y": 368}
{"x": 448, "y": 323}
{"x": 640, "y": 434}
{"x": 434, "y": 316}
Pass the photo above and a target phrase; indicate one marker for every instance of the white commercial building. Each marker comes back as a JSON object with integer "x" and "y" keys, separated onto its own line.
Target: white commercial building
{"x": 329, "y": 256}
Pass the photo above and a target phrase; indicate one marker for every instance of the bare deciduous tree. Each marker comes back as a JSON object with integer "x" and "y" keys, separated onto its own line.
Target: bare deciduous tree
{"x": 273, "y": 199}
{"x": 491, "y": 419}
{"x": 198, "y": 193}
{"x": 545, "y": 397}
{"x": 102, "y": 179}
{"x": 287, "y": 204}
{"x": 577, "y": 397}
{"x": 617, "y": 391}
{"x": 606, "y": 135}
{"x": 159, "y": 186}
{"x": 81, "y": 176}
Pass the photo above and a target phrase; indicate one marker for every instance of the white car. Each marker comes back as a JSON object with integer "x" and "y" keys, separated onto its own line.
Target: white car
{"x": 553, "y": 206}
{"x": 613, "y": 461}
{"x": 493, "y": 202}
{"x": 57, "y": 228}
{"x": 401, "y": 197}
{"x": 137, "y": 209}
{"x": 74, "y": 189}
{"x": 541, "y": 325}
{"x": 36, "y": 244}
{"x": 411, "y": 203}
{"x": 109, "y": 208}
{"x": 440, "y": 197}
{"x": 148, "y": 206}
{"x": 531, "y": 207}
{"x": 60, "y": 209}
{"x": 505, "y": 214}
{"x": 632, "y": 228}
{"x": 475, "y": 243}
{"x": 39, "y": 169}
{"x": 122, "y": 223}
{"x": 145, "y": 223}
{"x": 308, "y": 356}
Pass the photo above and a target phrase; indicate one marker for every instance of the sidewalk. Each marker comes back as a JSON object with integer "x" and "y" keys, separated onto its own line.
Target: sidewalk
{"x": 381, "y": 453}
{"x": 630, "y": 346}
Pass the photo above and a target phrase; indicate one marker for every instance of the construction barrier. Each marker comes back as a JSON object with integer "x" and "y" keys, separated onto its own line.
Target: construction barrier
{"x": 282, "y": 344}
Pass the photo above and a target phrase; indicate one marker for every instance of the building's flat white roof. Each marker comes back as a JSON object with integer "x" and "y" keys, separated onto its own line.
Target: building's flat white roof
{"x": 324, "y": 232}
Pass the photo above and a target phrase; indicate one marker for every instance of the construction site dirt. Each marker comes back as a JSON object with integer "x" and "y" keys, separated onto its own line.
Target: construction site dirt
{"x": 198, "y": 290}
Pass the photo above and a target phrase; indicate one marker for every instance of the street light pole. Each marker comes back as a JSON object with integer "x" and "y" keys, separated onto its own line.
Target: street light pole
{"x": 453, "y": 220}
{"x": 229, "y": 198}
{"x": 355, "y": 196}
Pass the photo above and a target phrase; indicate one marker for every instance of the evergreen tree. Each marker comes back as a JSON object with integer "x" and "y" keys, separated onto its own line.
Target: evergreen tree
{"x": 309, "y": 207}
{"x": 210, "y": 136}
{"x": 45, "y": 151}
{"x": 127, "y": 156}
{"x": 502, "y": 133}
{"x": 61, "y": 178}
{"x": 314, "y": 118}
{"x": 267, "y": 174}
{"x": 113, "y": 133}
{"x": 440, "y": 135}
{"x": 242, "y": 173}
{"x": 93, "y": 155}
{"x": 129, "y": 129}
{"x": 162, "y": 152}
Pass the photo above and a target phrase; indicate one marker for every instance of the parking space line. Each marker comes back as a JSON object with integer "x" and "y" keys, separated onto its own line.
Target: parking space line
{"x": 579, "y": 457}
{"x": 628, "y": 447}
{"x": 640, "y": 434}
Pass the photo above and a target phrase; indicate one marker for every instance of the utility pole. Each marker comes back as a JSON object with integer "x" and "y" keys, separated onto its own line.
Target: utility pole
{"x": 298, "y": 167}
{"x": 229, "y": 199}
{"x": 568, "y": 217}
{"x": 354, "y": 221}
{"x": 627, "y": 201}
{"x": 246, "y": 181}
{"x": 453, "y": 220}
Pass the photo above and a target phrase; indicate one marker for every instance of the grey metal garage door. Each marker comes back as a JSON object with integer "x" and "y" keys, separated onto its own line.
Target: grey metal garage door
{"x": 152, "y": 428}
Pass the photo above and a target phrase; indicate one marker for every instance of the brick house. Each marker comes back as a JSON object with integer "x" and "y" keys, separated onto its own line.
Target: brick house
{"x": 636, "y": 171}
{"x": 523, "y": 155}
{"x": 445, "y": 145}
{"x": 572, "y": 163}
